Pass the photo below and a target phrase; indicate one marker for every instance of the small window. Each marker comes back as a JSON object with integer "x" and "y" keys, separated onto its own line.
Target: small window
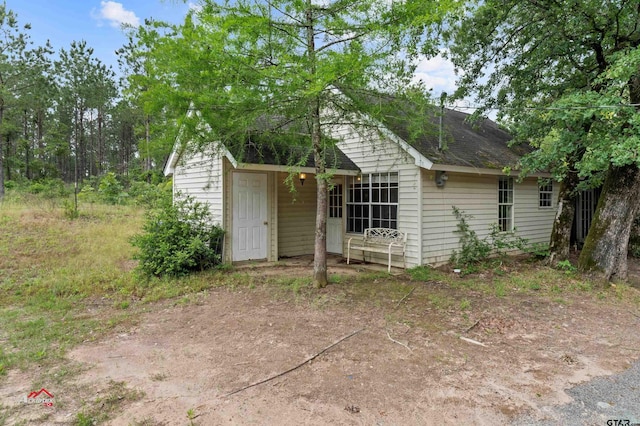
{"x": 545, "y": 194}
{"x": 335, "y": 201}
{"x": 505, "y": 203}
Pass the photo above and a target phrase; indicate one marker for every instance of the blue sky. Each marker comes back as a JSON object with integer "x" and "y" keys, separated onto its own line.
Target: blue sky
{"x": 98, "y": 22}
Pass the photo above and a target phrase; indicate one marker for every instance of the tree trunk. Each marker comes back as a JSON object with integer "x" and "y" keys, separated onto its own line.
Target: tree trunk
{"x": 560, "y": 242}
{"x": 147, "y": 139}
{"x": 606, "y": 246}
{"x": 320, "y": 251}
{"x": 320, "y": 248}
{"x": 1, "y": 153}
{"x": 80, "y": 146}
{"x": 91, "y": 144}
{"x": 27, "y": 147}
{"x": 40, "y": 136}
{"x": 100, "y": 142}
{"x": 9, "y": 156}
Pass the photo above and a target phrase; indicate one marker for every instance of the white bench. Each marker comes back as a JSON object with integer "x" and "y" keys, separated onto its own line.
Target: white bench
{"x": 380, "y": 240}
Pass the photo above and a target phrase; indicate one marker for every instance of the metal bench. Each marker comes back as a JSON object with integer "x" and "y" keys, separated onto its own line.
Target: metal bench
{"x": 380, "y": 240}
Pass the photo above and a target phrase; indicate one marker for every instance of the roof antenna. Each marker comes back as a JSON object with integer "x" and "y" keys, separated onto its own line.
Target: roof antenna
{"x": 441, "y": 145}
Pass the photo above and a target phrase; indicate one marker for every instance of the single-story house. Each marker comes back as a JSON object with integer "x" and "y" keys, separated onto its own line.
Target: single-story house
{"x": 379, "y": 180}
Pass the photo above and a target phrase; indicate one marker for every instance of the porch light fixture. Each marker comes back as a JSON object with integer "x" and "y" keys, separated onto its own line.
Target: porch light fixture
{"x": 303, "y": 176}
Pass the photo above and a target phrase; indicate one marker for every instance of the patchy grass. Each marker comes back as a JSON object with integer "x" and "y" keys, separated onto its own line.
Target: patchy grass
{"x": 55, "y": 276}
{"x": 65, "y": 282}
{"x": 108, "y": 402}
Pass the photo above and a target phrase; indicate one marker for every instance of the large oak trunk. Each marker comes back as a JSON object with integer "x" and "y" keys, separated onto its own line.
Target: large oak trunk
{"x": 605, "y": 249}
{"x": 560, "y": 242}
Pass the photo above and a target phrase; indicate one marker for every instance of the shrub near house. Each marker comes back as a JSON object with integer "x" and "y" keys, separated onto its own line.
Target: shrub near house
{"x": 178, "y": 238}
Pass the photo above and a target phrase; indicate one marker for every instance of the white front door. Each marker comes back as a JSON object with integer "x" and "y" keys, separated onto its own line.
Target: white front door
{"x": 249, "y": 216}
{"x": 334, "y": 220}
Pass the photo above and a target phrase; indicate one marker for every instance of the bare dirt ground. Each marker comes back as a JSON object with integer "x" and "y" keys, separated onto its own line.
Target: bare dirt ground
{"x": 407, "y": 365}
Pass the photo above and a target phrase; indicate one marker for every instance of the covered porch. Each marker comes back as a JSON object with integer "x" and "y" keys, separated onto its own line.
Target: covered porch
{"x": 271, "y": 212}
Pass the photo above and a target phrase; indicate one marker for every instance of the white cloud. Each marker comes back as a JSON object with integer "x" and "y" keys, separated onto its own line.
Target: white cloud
{"x": 116, "y": 14}
{"x": 438, "y": 74}
{"x": 195, "y": 7}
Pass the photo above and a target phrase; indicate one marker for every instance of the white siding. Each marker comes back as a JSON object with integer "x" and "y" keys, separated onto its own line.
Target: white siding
{"x": 375, "y": 155}
{"x": 296, "y": 216}
{"x": 371, "y": 153}
{"x": 409, "y": 211}
{"x": 208, "y": 179}
{"x": 532, "y": 221}
{"x": 477, "y": 196}
{"x": 201, "y": 177}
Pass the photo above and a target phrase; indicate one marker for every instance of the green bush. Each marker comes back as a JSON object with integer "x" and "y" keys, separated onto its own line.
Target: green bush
{"x": 70, "y": 210}
{"x": 88, "y": 194}
{"x": 49, "y": 188}
{"x": 566, "y": 266}
{"x": 178, "y": 238}
{"x": 10, "y": 184}
{"x": 111, "y": 190}
{"x": 538, "y": 250}
{"x": 149, "y": 194}
{"x": 474, "y": 250}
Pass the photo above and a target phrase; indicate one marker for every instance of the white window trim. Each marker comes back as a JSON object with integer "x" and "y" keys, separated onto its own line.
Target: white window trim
{"x": 541, "y": 192}
{"x": 511, "y": 204}
{"x": 370, "y": 203}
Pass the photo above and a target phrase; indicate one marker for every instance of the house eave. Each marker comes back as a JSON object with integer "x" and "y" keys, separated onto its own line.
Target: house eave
{"x": 174, "y": 157}
{"x": 170, "y": 166}
{"x": 289, "y": 169}
{"x": 419, "y": 159}
{"x": 481, "y": 170}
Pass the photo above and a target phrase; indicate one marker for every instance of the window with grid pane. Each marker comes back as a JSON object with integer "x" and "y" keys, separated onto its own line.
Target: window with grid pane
{"x": 505, "y": 203}
{"x": 545, "y": 193}
{"x": 372, "y": 202}
{"x": 335, "y": 201}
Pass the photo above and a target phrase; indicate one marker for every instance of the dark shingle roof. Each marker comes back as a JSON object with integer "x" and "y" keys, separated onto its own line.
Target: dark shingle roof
{"x": 282, "y": 154}
{"x": 479, "y": 144}
{"x": 280, "y": 141}
{"x": 468, "y": 143}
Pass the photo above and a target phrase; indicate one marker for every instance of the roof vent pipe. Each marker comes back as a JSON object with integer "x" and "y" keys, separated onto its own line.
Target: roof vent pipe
{"x": 441, "y": 145}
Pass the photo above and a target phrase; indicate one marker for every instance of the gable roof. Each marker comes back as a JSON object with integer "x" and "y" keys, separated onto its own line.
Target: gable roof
{"x": 478, "y": 144}
{"x": 468, "y": 144}
{"x": 275, "y": 143}
{"x": 275, "y": 156}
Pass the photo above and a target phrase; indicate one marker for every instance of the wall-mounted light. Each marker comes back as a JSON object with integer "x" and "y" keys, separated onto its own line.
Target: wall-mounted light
{"x": 303, "y": 176}
{"x": 441, "y": 178}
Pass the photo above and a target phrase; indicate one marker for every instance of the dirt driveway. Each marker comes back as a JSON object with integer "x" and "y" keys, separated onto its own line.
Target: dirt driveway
{"x": 441, "y": 355}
